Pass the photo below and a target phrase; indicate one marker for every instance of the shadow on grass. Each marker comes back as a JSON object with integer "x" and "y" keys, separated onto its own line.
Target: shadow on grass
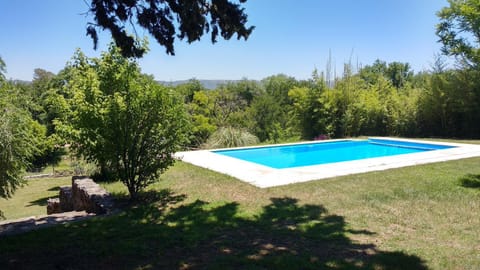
{"x": 470, "y": 181}
{"x": 54, "y": 189}
{"x": 164, "y": 234}
{"x": 39, "y": 202}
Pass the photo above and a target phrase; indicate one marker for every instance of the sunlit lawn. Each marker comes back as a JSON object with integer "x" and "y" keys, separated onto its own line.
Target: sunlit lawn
{"x": 31, "y": 200}
{"x": 420, "y": 217}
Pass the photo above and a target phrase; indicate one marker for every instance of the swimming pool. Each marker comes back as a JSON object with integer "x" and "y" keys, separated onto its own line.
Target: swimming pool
{"x": 316, "y": 153}
{"x": 267, "y": 175}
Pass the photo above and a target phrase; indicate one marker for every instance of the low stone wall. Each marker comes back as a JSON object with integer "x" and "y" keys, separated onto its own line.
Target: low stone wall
{"x": 83, "y": 199}
{"x": 83, "y": 195}
{"x": 65, "y": 199}
{"x": 10, "y": 227}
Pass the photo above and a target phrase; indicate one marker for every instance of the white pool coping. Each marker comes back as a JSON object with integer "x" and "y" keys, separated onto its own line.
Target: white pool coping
{"x": 263, "y": 176}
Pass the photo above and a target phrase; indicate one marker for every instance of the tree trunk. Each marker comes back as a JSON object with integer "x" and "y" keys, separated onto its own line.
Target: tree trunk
{"x": 132, "y": 190}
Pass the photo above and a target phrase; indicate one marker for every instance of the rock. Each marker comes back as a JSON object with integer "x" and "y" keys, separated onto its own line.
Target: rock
{"x": 66, "y": 201}
{"x": 78, "y": 177}
{"x": 83, "y": 195}
{"x": 89, "y": 196}
{"x": 18, "y": 225}
{"x": 53, "y": 206}
{"x": 11, "y": 227}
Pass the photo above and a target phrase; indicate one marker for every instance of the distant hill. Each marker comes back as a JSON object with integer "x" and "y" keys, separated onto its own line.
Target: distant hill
{"x": 208, "y": 84}
{"x": 22, "y": 82}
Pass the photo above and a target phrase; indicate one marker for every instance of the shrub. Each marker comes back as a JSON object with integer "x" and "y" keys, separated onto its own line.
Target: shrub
{"x": 226, "y": 137}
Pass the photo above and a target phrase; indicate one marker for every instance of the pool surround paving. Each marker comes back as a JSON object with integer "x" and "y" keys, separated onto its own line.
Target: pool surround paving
{"x": 264, "y": 177}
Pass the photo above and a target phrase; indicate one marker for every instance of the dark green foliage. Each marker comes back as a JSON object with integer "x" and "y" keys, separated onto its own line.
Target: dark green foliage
{"x": 278, "y": 86}
{"x": 48, "y": 105}
{"x": 49, "y": 153}
{"x": 267, "y": 116}
{"x": 245, "y": 89}
{"x": 371, "y": 73}
{"x": 397, "y": 73}
{"x": 166, "y": 20}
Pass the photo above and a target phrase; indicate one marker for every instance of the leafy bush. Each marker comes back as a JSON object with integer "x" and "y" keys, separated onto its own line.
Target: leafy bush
{"x": 123, "y": 120}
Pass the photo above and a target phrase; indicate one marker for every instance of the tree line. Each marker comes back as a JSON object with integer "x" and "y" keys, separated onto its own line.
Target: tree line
{"x": 381, "y": 99}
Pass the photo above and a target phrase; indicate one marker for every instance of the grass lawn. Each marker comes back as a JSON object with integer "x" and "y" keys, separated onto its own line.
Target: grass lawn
{"x": 31, "y": 200}
{"x": 418, "y": 217}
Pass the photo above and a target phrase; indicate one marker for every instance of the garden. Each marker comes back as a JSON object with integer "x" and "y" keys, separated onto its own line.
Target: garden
{"x": 102, "y": 117}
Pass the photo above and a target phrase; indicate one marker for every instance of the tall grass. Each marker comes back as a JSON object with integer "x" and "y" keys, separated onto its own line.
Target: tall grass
{"x": 226, "y": 137}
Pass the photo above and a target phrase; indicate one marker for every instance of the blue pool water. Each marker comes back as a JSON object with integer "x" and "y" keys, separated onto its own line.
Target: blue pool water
{"x": 289, "y": 156}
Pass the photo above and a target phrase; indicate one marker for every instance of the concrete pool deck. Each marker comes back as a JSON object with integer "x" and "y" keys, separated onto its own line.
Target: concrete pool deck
{"x": 263, "y": 176}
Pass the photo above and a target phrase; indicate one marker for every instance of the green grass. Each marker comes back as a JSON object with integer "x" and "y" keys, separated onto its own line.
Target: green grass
{"x": 31, "y": 199}
{"x": 422, "y": 217}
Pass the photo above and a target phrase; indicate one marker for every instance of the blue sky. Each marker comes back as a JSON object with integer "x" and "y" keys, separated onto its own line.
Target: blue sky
{"x": 291, "y": 37}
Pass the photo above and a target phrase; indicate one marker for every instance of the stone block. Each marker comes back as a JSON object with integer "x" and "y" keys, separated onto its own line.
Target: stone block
{"x": 66, "y": 203}
{"x": 83, "y": 195}
{"x": 53, "y": 206}
{"x": 89, "y": 196}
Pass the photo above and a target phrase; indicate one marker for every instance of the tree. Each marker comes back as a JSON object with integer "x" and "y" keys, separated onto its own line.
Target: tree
{"x": 188, "y": 89}
{"x": 459, "y": 30}
{"x": 399, "y": 74}
{"x": 45, "y": 107}
{"x": 201, "y": 111}
{"x": 372, "y": 73}
{"x": 163, "y": 19}
{"x": 124, "y": 120}
{"x": 309, "y": 110}
{"x": 267, "y": 116}
{"x": 18, "y": 139}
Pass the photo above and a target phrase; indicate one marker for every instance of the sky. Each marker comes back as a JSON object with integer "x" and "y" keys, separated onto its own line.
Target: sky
{"x": 291, "y": 37}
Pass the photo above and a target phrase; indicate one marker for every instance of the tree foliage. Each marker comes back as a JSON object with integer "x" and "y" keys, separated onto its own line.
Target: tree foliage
{"x": 397, "y": 73}
{"x": 309, "y": 110}
{"x": 167, "y": 20}
{"x": 201, "y": 112}
{"x": 459, "y": 30}
{"x": 19, "y": 138}
{"x": 123, "y": 120}
{"x": 266, "y": 114}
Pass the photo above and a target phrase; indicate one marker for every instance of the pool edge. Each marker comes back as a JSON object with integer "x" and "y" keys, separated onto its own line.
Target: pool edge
{"x": 264, "y": 177}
